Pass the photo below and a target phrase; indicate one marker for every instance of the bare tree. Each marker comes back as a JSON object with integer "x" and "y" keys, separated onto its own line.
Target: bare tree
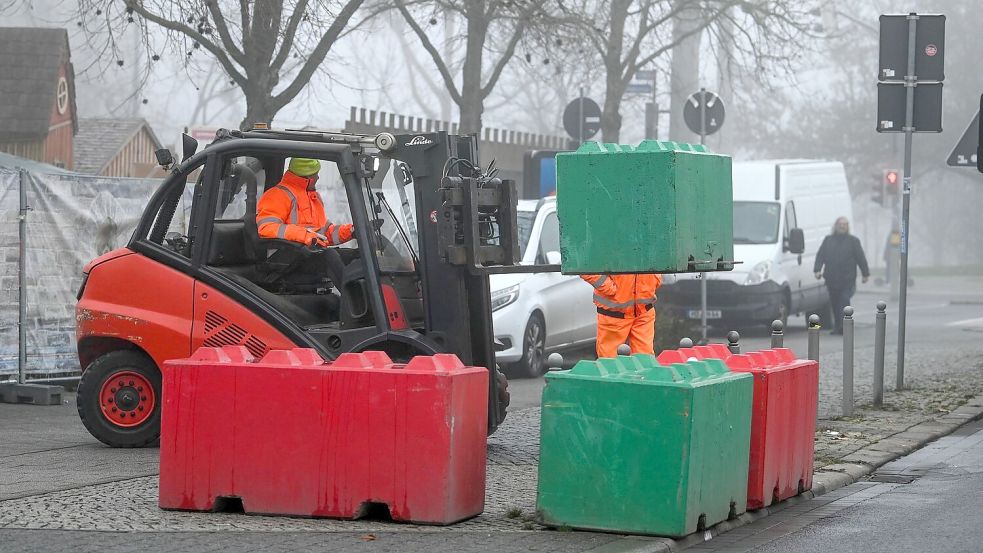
{"x": 257, "y": 43}
{"x": 629, "y": 35}
{"x": 483, "y": 20}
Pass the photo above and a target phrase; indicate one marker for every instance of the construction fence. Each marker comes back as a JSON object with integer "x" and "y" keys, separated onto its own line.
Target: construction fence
{"x": 51, "y": 224}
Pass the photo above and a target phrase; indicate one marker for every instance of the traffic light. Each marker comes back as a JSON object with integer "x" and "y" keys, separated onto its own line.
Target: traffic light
{"x": 892, "y": 180}
{"x": 877, "y": 191}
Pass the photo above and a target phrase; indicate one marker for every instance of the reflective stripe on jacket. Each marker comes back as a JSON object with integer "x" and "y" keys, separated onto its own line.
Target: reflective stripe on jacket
{"x": 291, "y": 212}
{"x": 628, "y": 294}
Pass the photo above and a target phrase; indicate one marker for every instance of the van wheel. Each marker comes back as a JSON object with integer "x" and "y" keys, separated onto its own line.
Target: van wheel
{"x": 533, "y": 362}
{"x": 119, "y": 399}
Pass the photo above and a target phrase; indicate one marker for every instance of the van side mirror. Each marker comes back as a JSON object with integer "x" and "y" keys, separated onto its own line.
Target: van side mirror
{"x": 188, "y": 146}
{"x": 796, "y": 241}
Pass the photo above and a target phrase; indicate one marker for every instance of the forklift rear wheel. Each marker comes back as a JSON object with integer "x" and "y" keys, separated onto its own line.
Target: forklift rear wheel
{"x": 119, "y": 399}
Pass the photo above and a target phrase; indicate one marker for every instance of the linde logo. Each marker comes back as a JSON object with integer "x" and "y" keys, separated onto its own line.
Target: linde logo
{"x": 419, "y": 141}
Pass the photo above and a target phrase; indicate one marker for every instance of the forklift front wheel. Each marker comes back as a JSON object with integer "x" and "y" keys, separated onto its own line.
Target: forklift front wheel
{"x": 119, "y": 399}
{"x": 503, "y": 395}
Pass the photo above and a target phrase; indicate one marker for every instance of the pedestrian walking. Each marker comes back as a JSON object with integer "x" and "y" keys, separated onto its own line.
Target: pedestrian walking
{"x": 837, "y": 260}
{"x": 625, "y": 311}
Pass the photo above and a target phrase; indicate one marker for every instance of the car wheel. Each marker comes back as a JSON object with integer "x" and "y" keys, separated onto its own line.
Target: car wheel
{"x": 783, "y": 310}
{"x": 119, "y": 399}
{"x": 533, "y": 362}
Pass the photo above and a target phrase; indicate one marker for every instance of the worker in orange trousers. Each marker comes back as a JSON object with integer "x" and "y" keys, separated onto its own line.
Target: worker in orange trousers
{"x": 625, "y": 311}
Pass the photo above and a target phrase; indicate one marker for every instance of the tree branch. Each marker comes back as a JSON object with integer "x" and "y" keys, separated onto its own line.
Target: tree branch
{"x": 220, "y": 54}
{"x": 317, "y": 56}
{"x": 224, "y": 34}
{"x": 432, "y": 50}
{"x": 520, "y": 27}
{"x": 288, "y": 35}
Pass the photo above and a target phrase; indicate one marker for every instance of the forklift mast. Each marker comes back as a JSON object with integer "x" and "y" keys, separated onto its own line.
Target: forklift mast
{"x": 457, "y": 303}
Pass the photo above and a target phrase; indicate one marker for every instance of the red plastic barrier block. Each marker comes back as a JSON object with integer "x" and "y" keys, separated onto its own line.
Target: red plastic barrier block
{"x": 783, "y": 424}
{"x": 291, "y": 435}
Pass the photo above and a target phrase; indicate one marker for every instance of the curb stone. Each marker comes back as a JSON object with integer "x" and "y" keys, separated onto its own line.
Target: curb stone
{"x": 853, "y": 467}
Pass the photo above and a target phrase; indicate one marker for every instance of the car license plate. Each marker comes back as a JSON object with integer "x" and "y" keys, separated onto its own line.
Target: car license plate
{"x": 711, "y": 314}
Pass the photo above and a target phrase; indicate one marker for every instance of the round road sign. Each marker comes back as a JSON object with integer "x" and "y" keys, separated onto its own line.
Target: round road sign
{"x": 582, "y": 119}
{"x": 714, "y": 118}
{"x": 931, "y": 50}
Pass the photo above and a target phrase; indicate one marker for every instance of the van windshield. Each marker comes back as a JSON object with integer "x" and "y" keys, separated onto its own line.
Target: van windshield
{"x": 756, "y": 222}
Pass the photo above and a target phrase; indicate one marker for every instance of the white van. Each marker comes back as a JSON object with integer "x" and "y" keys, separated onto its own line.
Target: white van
{"x": 771, "y": 199}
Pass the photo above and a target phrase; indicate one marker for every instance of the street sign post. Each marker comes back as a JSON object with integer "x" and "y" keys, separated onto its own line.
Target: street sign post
{"x": 582, "y": 118}
{"x": 703, "y": 113}
{"x": 912, "y": 51}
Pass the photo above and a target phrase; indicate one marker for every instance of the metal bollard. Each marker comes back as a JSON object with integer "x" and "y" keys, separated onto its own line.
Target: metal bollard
{"x": 624, "y": 349}
{"x": 733, "y": 341}
{"x": 777, "y": 334}
{"x": 554, "y": 362}
{"x": 880, "y": 331}
{"x": 814, "y": 329}
{"x": 847, "y": 361}
{"x": 686, "y": 343}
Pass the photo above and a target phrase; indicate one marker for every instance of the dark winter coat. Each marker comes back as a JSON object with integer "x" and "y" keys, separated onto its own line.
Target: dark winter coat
{"x": 841, "y": 254}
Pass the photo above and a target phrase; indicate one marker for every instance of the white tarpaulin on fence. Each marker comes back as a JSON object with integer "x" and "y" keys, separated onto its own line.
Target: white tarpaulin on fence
{"x": 71, "y": 220}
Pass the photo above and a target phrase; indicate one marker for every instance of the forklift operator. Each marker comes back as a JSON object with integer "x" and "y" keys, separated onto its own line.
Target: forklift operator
{"x": 292, "y": 210}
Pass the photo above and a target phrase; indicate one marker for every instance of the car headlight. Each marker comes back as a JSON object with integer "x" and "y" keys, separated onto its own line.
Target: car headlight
{"x": 503, "y": 297}
{"x": 759, "y": 273}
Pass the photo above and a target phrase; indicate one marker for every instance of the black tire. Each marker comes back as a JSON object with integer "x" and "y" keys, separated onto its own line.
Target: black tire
{"x": 503, "y": 396}
{"x": 783, "y": 312}
{"x": 533, "y": 362}
{"x": 89, "y": 400}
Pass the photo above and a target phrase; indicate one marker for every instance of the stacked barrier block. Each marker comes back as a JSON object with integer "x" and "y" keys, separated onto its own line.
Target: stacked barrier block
{"x": 631, "y": 445}
{"x": 659, "y": 207}
{"x": 783, "y": 423}
{"x": 292, "y": 435}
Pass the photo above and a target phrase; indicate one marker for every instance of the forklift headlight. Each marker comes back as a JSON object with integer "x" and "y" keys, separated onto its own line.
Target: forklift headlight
{"x": 506, "y": 296}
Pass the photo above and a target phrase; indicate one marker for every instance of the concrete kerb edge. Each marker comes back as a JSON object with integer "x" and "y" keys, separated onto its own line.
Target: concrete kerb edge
{"x": 846, "y": 473}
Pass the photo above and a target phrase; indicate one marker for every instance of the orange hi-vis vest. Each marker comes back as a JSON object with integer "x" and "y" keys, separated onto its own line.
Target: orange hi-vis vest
{"x": 290, "y": 211}
{"x": 624, "y": 295}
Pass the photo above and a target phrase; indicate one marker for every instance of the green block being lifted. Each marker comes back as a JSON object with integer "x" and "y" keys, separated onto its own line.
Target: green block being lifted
{"x": 629, "y": 445}
{"x": 660, "y": 207}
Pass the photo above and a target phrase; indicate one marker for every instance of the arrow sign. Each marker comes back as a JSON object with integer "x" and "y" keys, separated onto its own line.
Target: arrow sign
{"x": 964, "y": 154}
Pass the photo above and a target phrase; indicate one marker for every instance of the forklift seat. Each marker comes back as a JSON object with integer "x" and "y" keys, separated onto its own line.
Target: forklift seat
{"x": 230, "y": 244}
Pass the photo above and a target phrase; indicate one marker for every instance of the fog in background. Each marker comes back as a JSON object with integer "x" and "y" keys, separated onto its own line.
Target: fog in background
{"x": 807, "y": 90}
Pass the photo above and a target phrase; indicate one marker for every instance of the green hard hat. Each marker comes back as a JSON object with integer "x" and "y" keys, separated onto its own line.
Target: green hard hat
{"x": 304, "y": 167}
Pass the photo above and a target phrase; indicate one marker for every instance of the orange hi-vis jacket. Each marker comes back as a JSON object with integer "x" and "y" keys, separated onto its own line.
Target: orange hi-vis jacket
{"x": 624, "y": 295}
{"x": 290, "y": 211}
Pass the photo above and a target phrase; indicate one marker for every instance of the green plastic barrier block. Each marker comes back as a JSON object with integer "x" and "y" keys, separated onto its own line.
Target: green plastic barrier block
{"x": 659, "y": 207}
{"x": 628, "y": 445}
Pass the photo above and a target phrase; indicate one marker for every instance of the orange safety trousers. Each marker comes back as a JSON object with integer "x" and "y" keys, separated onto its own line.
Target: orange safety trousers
{"x": 637, "y": 331}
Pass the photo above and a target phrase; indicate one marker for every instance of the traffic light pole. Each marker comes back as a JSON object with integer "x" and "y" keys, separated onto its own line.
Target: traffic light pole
{"x": 910, "y": 81}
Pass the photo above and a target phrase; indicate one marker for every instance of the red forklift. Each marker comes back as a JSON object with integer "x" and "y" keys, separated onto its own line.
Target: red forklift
{"x": 430, "y": 227}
